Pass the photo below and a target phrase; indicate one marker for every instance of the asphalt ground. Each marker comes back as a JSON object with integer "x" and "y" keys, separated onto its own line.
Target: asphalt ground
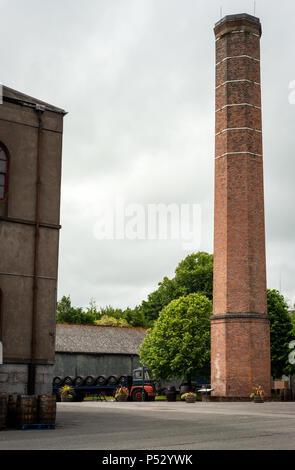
{"x": 162, "y": 425}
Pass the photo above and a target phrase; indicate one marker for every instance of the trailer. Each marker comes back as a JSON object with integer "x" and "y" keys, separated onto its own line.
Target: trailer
{"x": 140, "y": 383}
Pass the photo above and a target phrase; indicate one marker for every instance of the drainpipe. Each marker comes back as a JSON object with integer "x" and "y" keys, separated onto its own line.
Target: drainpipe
{"x": 1, "y": 345}
{"x": 32, "y": 366}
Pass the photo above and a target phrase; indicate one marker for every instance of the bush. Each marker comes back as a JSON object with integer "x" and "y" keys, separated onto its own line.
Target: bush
{"x": 111, "y": 321}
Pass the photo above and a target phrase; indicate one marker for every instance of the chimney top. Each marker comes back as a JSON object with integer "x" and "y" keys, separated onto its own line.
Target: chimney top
{"x": 238, "y": 16}
{"x": 240, "y": 21}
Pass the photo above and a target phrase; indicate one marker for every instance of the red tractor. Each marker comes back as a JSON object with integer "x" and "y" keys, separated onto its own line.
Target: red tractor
{"x": 139, "y": 383}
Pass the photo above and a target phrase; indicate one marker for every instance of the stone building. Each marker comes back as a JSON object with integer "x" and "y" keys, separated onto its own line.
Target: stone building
{"x": 240, "y": 333}
{"x": 30, "y": 179}
{"x": 96, "y": 350}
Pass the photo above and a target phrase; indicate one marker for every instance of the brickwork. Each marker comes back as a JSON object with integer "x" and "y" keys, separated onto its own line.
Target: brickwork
{"x": 240, "y": 348}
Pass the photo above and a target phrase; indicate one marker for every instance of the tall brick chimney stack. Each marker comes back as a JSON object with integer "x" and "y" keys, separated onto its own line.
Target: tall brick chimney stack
{"x": 240, "y": 336}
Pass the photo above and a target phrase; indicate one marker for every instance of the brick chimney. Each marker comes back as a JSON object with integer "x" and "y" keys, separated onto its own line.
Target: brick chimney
{"x": 240, "y": 337}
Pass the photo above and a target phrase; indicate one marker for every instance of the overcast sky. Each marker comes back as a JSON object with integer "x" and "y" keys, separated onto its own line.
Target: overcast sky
{"x": 137, "y": 79}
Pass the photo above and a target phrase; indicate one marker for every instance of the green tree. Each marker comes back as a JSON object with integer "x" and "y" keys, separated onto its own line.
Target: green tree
{"x": 134, "y": 317}
{"x": 194, "y": 274}
{"x": 93, "y": 310}
{"x": 158, "y": 299}
{"x": 280, "y": 333}
{"x": 63, "y": 307}
{"x": 66, "y": 313}
{"x": 179, "y": 343}
{"x": 110, "y": 311}
{"x": 293, "y": 325}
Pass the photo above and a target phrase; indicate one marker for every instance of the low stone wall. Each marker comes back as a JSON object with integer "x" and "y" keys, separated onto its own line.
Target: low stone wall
{"x": 14, "y": 379}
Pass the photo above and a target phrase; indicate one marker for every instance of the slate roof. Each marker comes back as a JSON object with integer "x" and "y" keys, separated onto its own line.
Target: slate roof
{"x": 14, "y": 96}
{"x": 98, "y": 339}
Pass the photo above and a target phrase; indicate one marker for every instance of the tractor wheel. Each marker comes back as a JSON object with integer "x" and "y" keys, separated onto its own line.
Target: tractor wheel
{"x": 137, "y": 395}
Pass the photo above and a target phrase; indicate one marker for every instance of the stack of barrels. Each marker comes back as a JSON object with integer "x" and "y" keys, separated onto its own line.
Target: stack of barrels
{"x": 91, "y": 380}
{"x": 18, "y": 410}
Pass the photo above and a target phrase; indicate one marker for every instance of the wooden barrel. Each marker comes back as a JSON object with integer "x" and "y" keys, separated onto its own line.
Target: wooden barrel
{"x": 113, "y": 380}
{"x": 123, "y": 380}
{"x": 287, "y": 394}
{"x": 11, "y": 415}
{"x": 101, "y": 380}
{"x": 68, "y": 380}
{"x": 58, "y": 381}
{"x": 3, "y": 410}
{"x": 90, "y": 380}
{"x": 26, "y": 409}
{"x": 79, "y": 380}
{"x": 46, "y": 409}
{"x": 171, "y": 393}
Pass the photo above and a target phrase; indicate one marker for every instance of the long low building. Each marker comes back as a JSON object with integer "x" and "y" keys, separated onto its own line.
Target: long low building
{"x": 96, "y": 350}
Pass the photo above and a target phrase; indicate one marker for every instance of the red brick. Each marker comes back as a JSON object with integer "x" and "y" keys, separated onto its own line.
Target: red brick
{"x": 240, "y": 344}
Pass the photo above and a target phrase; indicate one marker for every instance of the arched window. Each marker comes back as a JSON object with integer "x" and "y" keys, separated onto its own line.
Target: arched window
{"x": 3, "y": 172}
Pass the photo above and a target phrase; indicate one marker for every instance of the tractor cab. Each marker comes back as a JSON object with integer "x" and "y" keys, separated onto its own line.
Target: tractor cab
{"x": 137, "y": 376}
{"x": 138, "y": 382}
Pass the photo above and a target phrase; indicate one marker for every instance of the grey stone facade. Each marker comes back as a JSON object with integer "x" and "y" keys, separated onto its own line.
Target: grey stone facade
{"x": 13, "y": 379}
{"x": 31, "y": 142}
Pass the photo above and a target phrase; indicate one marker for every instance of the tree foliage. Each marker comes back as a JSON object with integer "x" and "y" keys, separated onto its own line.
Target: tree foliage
{"x": 193, "y": 274}
{"x": 179, "y": 343}
{"x": 111, "y": 321}
{"x": 134, "y": 317}
{"x": 107, "y": 316}
{"x": 68, "y": 314}
{"x": 280, "y": 333}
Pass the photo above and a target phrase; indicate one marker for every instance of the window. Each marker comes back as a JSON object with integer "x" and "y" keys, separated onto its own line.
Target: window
{"x": 3, "y": 172}
{"x": 138, "y": 374}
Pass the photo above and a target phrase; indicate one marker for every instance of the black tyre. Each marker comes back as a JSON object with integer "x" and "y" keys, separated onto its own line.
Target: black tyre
{"x": 123, "y": 380}
{"x": 101, "y": 380}
{"x": 113, "y": 380}
{"x": 79, "y": 380}
{"x": 137, "y": 395}
{"x": 90, "y": 380}
{"x": 58, "y": 381}
{"x": 69, "y": 380}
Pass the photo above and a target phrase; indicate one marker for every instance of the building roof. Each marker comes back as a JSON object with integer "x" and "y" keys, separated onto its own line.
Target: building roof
{"x": 22, "y": 99}
{"x": 93, "y": 339}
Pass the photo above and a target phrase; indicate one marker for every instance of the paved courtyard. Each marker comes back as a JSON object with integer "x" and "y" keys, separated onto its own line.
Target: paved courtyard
{"x": 162, "y": 425}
